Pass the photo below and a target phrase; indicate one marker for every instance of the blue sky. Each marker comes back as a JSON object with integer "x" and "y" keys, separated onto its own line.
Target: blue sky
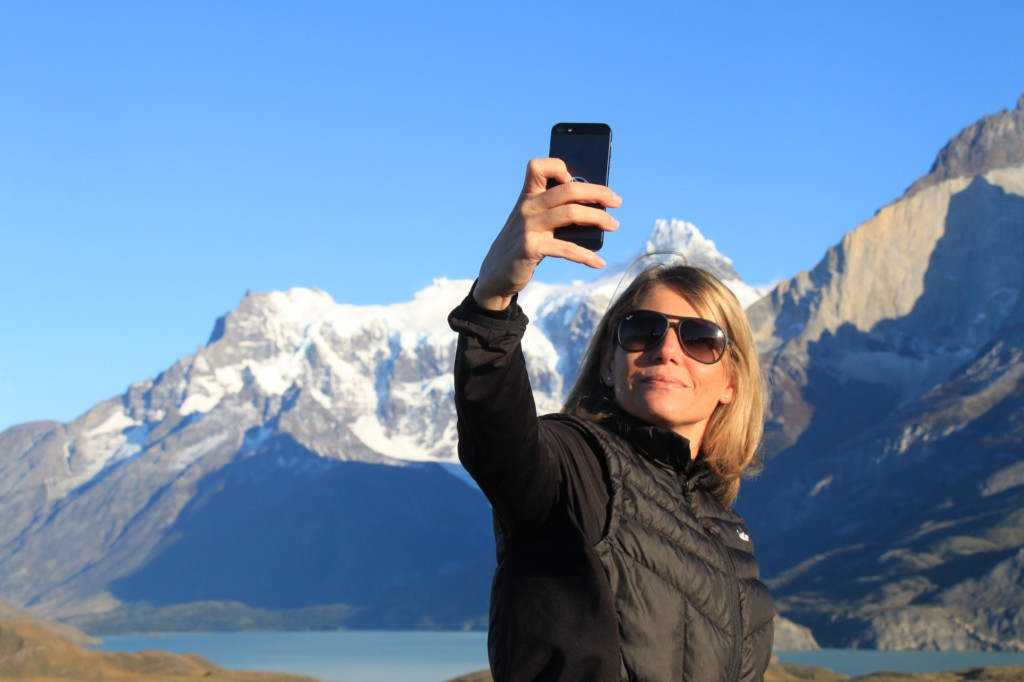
{"x": 158, "y": 160}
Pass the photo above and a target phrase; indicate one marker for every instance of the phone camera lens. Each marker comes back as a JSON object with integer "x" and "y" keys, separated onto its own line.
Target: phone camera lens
{"x": 560, "y": 129}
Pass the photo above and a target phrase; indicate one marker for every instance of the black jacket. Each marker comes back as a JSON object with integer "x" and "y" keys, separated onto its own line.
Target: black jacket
{"x": 568, "y": 598}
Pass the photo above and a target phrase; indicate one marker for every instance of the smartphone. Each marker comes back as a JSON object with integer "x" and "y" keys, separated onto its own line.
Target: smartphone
{"x": 586, "y": 149}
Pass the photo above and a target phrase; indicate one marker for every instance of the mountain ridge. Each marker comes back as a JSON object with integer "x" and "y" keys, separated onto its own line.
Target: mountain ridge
{"x": 994, "y": 142}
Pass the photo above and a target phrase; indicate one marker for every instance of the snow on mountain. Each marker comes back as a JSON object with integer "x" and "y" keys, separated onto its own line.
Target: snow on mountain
{"x": 115, "y": 437}
{"x": 680, "y": 237}
{"x": 684, "y": 237}
{"x": 357, "y": 382}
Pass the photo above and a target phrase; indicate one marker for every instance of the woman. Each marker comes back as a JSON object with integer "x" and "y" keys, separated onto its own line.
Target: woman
{"x": 619, "y": 557}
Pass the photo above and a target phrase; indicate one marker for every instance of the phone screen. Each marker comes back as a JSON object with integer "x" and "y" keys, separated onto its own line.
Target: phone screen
{"x": 586, "y": 150}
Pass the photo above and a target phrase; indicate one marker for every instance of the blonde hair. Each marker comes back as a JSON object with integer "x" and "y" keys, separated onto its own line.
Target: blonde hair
{"x": 733, "y": 434}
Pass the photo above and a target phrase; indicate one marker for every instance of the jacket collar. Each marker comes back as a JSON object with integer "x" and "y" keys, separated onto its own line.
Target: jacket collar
{"x": 659, "y": 445}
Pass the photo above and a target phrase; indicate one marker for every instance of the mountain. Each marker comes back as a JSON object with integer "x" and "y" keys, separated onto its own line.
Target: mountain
{"x": 299, "y": 469}
{"x": 890, "y": 512}
{"x": 994, "y": 142}
{"x": 291, "y": 462}
{"x": 677, "y": 237}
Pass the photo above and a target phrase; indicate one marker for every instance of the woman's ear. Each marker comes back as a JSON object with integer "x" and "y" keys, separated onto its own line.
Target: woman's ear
{"x": 729, "y": 392}
{"x": 608, "y": 370}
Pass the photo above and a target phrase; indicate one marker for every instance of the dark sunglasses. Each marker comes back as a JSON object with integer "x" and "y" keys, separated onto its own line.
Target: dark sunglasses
{"x": 702, "y": 340}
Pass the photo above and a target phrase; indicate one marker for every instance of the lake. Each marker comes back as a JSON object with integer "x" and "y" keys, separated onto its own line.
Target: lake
{"x": 439, "y": 656}
{"x": 364, "y": 656}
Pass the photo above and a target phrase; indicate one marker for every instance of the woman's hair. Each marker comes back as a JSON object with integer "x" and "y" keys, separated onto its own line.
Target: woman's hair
{"x": 733, "y": 433}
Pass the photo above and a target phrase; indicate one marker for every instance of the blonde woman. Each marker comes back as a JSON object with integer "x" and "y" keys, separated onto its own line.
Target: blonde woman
{"x": 619, "y": 555}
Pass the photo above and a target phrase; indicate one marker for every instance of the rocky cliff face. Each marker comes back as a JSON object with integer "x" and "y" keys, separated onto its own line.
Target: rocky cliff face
{"x": 889, "y": 511}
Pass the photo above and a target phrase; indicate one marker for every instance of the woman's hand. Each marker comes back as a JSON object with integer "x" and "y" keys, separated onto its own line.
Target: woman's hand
{"x": 529, "y": 233}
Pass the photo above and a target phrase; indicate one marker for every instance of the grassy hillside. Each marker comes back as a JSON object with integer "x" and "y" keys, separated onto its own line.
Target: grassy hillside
{"x": 31, "y": 653}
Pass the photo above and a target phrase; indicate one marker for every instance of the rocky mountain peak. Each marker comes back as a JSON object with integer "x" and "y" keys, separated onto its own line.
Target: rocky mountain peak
{"x": 682, "y": 237}
{"x": 287, "y": 309}
{"x": 996, "y": 141}
{"x": 680, "y": 241}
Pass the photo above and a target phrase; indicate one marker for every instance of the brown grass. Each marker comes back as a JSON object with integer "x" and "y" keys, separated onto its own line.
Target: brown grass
{"x": 30, "y": 653}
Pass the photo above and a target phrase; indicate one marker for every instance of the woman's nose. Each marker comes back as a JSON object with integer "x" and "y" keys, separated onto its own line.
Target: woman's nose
{"x": 669, "y": 348}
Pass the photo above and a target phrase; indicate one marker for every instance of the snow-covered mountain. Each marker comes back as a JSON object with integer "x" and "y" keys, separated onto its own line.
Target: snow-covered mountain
{"x": 292, "y": 389}
{"x": 680, "y": 237}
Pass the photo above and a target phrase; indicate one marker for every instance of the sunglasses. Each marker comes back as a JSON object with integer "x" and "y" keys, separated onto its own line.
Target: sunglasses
{"x": 702, "y": 340}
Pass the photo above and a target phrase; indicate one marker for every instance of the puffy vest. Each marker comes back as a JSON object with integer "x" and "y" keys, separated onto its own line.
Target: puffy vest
{"x": 690, "y": 604}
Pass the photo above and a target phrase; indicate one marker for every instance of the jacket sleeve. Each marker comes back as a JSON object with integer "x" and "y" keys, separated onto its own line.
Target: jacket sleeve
{"x": 499, "y": 441}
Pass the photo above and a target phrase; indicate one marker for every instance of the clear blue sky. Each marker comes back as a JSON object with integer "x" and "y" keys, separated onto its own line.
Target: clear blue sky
{"x": 159, "y": 159}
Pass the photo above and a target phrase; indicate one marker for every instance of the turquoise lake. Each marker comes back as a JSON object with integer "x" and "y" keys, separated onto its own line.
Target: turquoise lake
{"x": 440, "y": 656}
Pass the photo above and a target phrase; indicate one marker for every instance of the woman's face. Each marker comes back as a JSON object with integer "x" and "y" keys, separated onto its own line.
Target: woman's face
{"x": 663, "y": 385}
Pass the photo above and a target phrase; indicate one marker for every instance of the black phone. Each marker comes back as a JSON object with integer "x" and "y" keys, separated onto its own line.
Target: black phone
{"x": 586, "y": 149}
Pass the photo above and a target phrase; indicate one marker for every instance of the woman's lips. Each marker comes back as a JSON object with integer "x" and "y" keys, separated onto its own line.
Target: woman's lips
{"x": 662, "y": 380}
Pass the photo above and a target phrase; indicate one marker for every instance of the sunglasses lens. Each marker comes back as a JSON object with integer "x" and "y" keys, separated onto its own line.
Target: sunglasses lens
{"x": 703, "y": 341}
{"x": 641, "y": 330}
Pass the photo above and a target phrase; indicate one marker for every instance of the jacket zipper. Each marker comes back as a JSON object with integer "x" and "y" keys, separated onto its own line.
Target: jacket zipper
{"x": 736, "y": 659}
{"x": 737, "y": 617}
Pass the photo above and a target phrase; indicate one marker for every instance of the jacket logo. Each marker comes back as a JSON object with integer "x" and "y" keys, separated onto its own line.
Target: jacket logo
{"x": 743, "y": 536}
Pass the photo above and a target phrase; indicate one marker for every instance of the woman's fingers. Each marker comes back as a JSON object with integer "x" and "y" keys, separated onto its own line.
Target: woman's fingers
{"x": 578, "y": 193}
{"x": 559, "y": 248}
{"x": 571, "y": 214}
{"x": 539, "y": 171}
